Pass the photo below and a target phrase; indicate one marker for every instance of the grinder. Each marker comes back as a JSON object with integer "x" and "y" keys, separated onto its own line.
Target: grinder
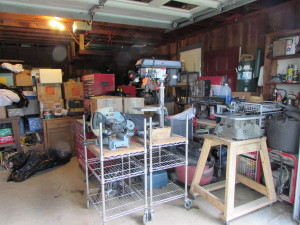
{"x": 116, "y": 129}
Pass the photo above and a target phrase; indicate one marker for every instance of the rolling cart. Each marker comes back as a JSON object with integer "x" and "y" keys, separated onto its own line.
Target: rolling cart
{"x": 159, "y": 158}
{"x": 115, "y": 196}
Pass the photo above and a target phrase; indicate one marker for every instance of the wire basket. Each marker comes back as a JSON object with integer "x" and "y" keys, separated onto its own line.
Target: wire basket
{"x": 265, "y": 109}
{"x": 247, "y": 167}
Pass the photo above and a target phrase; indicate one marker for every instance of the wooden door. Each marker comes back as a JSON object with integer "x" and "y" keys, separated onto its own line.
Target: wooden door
{"x": 222, "y": 63}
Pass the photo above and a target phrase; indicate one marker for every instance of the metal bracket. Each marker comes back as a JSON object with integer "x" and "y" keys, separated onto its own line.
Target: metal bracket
{"x": 94, "y": 8}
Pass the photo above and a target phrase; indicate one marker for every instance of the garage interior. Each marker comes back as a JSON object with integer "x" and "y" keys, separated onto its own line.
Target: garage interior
{"x": 149, "y": 112}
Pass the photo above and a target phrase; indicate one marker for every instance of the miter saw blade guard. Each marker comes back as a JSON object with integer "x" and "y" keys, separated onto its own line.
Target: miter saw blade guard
{"x": 116, "y": 129}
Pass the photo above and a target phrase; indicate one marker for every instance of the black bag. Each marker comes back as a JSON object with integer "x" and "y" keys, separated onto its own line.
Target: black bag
{"x": 25, "y": 165}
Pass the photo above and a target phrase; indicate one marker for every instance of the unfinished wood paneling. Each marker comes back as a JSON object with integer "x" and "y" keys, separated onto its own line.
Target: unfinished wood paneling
{"x": 282, "y": 18}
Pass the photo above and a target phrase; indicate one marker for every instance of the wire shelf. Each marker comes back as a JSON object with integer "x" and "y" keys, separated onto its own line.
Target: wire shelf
{"x": 127, "y": 202}
{"x": 163, "y": 194}
{"x": 261, "y": 108}
{"x": 163, "y": 159}
{"x": 116, "y": 169}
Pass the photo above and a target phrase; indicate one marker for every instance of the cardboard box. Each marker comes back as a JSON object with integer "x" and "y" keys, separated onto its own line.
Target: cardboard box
{"x": 50, "y": 76}
{"x": 130, "y": 103}
{"x": 48, "y": 92}
{"x": 106, "y": 101}
{"x": 33, "y": 106}
{"x": 23, "y": 79}
{"x": 3, "y": 113}
{"x": 244, "y": 95}
{"x": 73, "y": 90}
{"x": 15, "y": 112}
{"x": 51, "y": 105}
{"x": 159, "y": 133}
{"x": 74, "y": 106}
{"x": 279, "y": 47}
{"x": 7, "y": 78}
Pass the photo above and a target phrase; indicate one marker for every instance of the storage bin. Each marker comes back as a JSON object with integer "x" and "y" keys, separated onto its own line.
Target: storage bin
{"x": 178, "y": 127}
{"x": 160, "y": 179}
{"x": 35, "y": 124}
{"x": 283, "y": 134}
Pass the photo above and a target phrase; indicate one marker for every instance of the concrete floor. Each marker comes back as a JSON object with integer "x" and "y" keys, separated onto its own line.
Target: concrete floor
{"x": 57, "y": 196}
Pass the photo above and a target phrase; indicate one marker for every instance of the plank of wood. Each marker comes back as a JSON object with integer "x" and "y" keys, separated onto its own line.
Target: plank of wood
{"x": 266, "y": 165}
{"x": 215, "y": 186}
{"x": 159, "y": 133}
{"x": 230, "y": 181}
{"x": 201, "y": 164}
{"x": 248, "y": 207}
{"x": 253, "y": 147}
{"x": 252, "y": 184}
{"x": 133, "y": 148}
{"x": 209, "y": 197}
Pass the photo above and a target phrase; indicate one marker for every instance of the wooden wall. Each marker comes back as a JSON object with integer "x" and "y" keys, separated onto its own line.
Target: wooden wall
{"x": 246, "y": 31}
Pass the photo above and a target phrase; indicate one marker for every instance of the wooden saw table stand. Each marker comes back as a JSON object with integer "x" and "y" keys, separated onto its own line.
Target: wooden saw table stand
{"x": 234, "y": 149}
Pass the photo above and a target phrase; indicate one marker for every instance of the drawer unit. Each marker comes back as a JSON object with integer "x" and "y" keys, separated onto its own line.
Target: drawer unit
{"x": 98, "y": 84}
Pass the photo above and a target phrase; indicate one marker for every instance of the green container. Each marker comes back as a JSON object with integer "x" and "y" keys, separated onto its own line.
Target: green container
{"x": 6, "y": 132}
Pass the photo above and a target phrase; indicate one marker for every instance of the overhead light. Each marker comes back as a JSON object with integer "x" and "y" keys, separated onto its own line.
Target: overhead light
{"x": 56, "y": 24}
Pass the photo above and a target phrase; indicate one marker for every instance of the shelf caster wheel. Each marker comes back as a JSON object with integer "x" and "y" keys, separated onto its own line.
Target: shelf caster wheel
{"x": 188, "y": 204}
{"x": 145, "y": 218}
{"x": 150, "y": 215}
{"x": 226, "y": 222}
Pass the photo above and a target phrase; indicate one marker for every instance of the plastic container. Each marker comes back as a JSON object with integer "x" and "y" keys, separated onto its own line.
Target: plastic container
{"x": 160, "y": 179}
{"x": 226, "y": 93}
{"x": 283, "y": 134}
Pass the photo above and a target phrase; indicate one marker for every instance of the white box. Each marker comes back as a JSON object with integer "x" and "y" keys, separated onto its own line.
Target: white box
{"x": 129, "y": 103}
{"x": 50, "y": 76}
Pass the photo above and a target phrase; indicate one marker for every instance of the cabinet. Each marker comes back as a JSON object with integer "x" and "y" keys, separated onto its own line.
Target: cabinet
{"x": 58, "y": 133}
{"x": 14, "y": 121}
{"x": 273, "y": 65}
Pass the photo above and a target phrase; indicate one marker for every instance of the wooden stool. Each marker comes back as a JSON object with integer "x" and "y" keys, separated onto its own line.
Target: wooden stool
{"x": 234, "y": 149}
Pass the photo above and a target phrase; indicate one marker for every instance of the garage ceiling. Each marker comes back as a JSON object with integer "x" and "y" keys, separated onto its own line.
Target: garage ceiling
{"x": 117, "y": 25}
{"x": 166, "y": 14}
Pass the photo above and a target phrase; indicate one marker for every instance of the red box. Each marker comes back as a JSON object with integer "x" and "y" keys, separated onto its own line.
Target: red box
{"x": 214, "y": 80}
{"x": 6, "y": 140}
{"x": 131, "y": 90}
{"x": 98, "y": 84}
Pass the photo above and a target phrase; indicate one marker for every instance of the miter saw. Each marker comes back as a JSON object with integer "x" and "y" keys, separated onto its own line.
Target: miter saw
{"x": 116, "y": 129}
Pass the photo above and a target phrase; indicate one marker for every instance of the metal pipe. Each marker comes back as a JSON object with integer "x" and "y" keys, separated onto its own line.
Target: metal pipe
{"x": 151, "y": 165}
{"x": 161, "y": 104}
{"x": 100, "y": 139}
{"x": 145, "y": 165}
{"x": 186, "y": 157}
{"x": 86, "y": 166}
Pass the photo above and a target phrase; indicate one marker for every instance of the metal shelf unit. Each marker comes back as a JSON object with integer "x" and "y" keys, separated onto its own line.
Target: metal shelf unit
{"x": 116, "y": 168}
{"x": 159, "y": 159}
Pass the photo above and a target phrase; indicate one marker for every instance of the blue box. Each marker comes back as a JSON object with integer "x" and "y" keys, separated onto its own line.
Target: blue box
{"x": 35, "y": 124}
{"x": 7, "y": 78}
{"x": 160, "y": 179}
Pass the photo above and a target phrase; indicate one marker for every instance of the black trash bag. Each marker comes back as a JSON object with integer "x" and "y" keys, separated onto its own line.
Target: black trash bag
{"x": 25, "y": 165}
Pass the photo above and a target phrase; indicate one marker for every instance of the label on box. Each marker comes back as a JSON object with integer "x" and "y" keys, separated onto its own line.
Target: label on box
{"x": 7, "y": 140}
{"x": 49, "y": 91}
{"x": 75, "y": 91}
{"x": 3, "y": 80}
{"x": 5, "y": 132}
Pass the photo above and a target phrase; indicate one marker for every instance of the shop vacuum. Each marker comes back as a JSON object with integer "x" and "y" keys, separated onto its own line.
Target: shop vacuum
{"x": 248, "y": 72}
